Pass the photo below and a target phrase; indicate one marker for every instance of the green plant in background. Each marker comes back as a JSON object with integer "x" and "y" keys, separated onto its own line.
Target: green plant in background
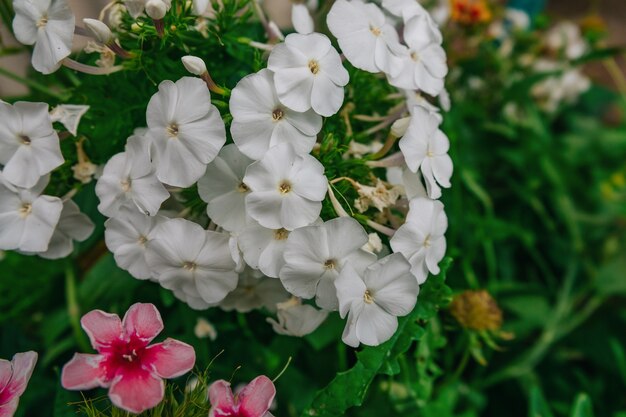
{"x": 526, "y": 318}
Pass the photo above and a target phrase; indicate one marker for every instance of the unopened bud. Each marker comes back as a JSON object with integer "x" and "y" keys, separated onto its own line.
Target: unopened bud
{"x": 399, "y": 127}
{"x": 156, "y": 9}
{"x": 98, "y": 30}
{"x": 194, "y": 65}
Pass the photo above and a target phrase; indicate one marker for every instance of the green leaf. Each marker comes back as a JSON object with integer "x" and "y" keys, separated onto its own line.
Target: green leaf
{"x": 348, "y": 389}
{"x": 582, "y": 406}
{"x": 538, "y": 406}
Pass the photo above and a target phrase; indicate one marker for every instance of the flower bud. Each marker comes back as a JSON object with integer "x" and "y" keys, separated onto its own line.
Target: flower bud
{"x": 98, "y": 30}
{"x": 398, "y": 128}
{"x": 194, "y": 65}
{"x": 156, "y": 9}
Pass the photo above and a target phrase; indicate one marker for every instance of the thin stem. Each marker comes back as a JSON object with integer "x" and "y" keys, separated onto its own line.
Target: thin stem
{"x": 33, "y": 84}
{"x": 391, "y": 140}
{"x": 73, "y": 309}
{"x": 283, "y": 370}
{"x": 88, "y": 69}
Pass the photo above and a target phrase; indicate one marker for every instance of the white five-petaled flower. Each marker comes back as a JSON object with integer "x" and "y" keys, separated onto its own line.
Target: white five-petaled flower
{"x": 424, "y": 63}
{"x": 127, "y": 235}
{"x": 425, "y": 147}
{"x": 128, "y": 178}
{"x": 301, "y": 16}
{"x": 254, "y": 291}
{"x": 308, "y": 74}
{"x": 421, "y": 238}
{"x": 374, "y": 299}
{"x": 194, "y": 263}
{"x": 315, "y": 255}
{"x": 27, "y": 219}
{"x": 186, "y": 130}
{"x": 49, "y": 25}
{"x": 29, "y": 146}
{"x": 260, "y": 121}
{"x": 263, "y": 248}
{"x": 222, "y": 187}
{"x": 286, "y": 189}
{"x": 364, "y": 36}
{"x": 72, "y": 225}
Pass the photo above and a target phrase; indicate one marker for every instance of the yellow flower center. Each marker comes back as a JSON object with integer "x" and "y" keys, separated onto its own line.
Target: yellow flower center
{"x": 277, "y": 114}
{"x": 330, "y": 264}
{"x": 243, "y": 188}
{"x": 26, "y": 209}
{"x": 281, "y": 234}
{"x": 172, "y": 130}
{"x": 314, "y": 66}
{"x": 284, "y": 187}
{"x": 367, "y": 297}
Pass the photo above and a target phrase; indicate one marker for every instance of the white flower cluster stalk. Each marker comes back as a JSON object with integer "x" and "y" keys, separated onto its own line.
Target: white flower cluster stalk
{"x": 262, "y": 243}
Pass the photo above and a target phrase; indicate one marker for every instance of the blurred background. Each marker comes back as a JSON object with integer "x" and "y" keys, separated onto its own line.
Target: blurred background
{"x": 612, "y": 12}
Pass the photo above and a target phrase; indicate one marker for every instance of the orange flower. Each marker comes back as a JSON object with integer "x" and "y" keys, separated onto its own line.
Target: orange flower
{"x": 470, "y": 12}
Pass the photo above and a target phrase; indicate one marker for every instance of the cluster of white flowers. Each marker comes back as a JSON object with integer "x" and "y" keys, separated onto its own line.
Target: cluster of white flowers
{"x": 30, "y": 222}
{"x": 262, "y": 243}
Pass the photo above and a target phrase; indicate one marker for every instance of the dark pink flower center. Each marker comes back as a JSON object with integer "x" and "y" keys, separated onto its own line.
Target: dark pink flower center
{"x": 124, "y": 356}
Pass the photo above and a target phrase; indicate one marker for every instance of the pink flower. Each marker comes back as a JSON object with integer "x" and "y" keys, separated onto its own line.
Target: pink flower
{"x": 14, "y": 377}
{"x": 131, "y": 369}
{"x": 254, "y": 400}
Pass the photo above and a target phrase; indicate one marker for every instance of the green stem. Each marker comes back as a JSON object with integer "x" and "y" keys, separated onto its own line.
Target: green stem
{"x": 33, "y": 84}
{"x": 73, "y": 309}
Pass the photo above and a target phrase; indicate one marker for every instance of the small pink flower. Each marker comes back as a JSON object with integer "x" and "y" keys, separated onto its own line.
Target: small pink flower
{"x": 254, "y": 400}
{"x": 131, "y": 369}
{"x": 14, "y": 377}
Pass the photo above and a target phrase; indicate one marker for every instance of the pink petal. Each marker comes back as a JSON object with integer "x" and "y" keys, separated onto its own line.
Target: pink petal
{"x": 144, "y": 321}
{"x": 256, "y": 398}
{"x": 136, "y": 390}
{"x": 170, "y": 358}
{"x": 83, "y": 372}
{"x": 221, "y": 398}
{"x": 6, "y": 372}
{"x": 102, "y": 328}
{"x": 8, "y": 409}
{"x": 23, "y": 365}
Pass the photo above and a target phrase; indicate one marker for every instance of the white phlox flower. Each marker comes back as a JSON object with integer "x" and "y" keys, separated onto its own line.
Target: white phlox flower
{"x": 315, "y": 255}
{"x": 72, "y": 226}
{"x": 566, "y": 37}
{"x": 47, "y": 24}
{"x": 421, "y": 238}
{"x": 127, "y": 235}
{"x": 135, "y": 7}
{"x": 186, "y": 130}
{"x": 374, "y": 299}
{"x": 425, "y": 148}
{"x": 222, "y": 187}
{"x": 69, "y": 116}
{"x": 301, "y": 16}
{"x": 411, "y": 182}
{"x": 374, "y": 244}
{"x": 297, "y": 319}
{"x": 424, "y": 63}
{"x": 408, "y": 9}
{"x": 365, "y": 37}
{"x": 29, "y": 146}
{"x": 286, "y": 189}
{"x": 308, "y": 74}
{"x": 204, "y": 329}
{"x": 27, "y": 218}
{"x": 254, "y": 291}
{"x": 129, "y": 178}
{"x": 194, "y": 263}
{"x": 200, "y": 6}
{"x": 260, "y": 121}
{"x": 263, "y": 248}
